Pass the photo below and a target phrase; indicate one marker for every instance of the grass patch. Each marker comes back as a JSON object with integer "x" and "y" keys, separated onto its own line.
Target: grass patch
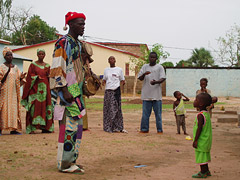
{"x": 220, "y": 103}
{"x": 94, "y": 106}
{"x": 98, "y": 100}
{"x": 131, "y": 106}
{"x": 170, "y": 106}
{"x": 92, "y": 100}
{"x": 97, "y": 104}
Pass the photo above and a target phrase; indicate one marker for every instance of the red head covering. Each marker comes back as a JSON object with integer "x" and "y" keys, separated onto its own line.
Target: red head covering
{"x": 73, "y": 15}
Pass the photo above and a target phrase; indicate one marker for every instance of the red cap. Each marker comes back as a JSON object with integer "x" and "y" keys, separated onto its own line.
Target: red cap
{"x": 73, "y": 15}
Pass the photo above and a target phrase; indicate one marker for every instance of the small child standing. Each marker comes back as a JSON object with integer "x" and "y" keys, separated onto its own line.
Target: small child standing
{"x": 179, "y": 110}
{"x": 202, "y": 134}
{"x": 203, "y": 85}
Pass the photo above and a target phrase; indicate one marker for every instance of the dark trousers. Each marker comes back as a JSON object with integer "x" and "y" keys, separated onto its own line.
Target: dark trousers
{"x": 180, "y": 121}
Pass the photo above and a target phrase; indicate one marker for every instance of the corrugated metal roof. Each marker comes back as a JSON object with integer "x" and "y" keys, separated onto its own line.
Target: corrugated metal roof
{"x": 2, "y": 41}
{"x": 16, "y": 56}
{"x": 16, "y": 46}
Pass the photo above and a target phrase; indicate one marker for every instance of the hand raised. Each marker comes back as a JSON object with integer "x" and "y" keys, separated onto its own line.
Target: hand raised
{"x": 147, "y": 72}
{"x": 195, "y": 144}
{"x": 67, "y": 95}
{"x": 23, "y": 75}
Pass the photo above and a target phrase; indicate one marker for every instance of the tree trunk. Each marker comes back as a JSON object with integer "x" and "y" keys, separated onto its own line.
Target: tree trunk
{"x": 135, "y": 81}
{"x": 134, "y": 85}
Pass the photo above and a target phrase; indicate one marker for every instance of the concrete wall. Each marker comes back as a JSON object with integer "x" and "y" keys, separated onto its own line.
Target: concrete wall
{"x": 221, "y": 81}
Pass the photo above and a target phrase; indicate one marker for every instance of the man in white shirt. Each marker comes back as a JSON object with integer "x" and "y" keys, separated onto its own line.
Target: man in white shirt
{"x": 112, "y": 110}
{"x": 152, "y": 75}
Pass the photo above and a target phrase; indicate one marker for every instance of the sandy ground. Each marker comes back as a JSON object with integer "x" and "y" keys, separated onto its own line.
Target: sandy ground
{"x": 113, "y": 156}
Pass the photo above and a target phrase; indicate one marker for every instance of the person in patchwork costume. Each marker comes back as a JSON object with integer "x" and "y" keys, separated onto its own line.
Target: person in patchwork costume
{"x": 66, "y": 81}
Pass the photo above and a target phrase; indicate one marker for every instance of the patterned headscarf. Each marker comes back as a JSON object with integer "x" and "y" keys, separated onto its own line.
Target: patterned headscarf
{"x": 5, "y": 50}
{"x": 40, "y": 50}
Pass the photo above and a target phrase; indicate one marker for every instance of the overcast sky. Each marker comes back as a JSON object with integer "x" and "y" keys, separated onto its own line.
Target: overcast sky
{"x": 184, "y": 24}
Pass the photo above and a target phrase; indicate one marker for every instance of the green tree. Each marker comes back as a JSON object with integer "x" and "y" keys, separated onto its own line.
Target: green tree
{"x": 229, "y": 47}
{"x": 201, "y": 58}
{"x": 167, "y": 64}
{"x": 5, "y": 11}
{"x": 137, "y": 63}
{"x": 19, "y": 19}
{"x": 35, "y": 31}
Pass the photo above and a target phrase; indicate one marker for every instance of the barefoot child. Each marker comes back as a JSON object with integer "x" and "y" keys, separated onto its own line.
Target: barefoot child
{"x": 202, "y": 134}
{"x": 179, "y": 110}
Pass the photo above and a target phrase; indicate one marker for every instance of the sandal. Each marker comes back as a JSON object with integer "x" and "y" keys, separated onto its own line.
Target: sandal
{"x": 15, "y": 132}
{"x": 80, "y": 166}
{"x": 78, "y": 171}
{"x": 200, "y": 175}
{"x": 124, "y": 131}
{"x": 46, "y": 131}
{"x": 209, "y": 173}
{"x": 143, "y": 132}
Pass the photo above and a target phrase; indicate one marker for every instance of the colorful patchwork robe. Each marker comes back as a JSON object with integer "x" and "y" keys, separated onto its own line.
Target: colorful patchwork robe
{"x": 67, "y": 70}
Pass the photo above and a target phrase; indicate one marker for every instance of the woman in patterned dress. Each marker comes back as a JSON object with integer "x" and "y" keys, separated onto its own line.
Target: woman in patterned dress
{"x": 11, "y": 79}
{"x": 37, "y": 97}
{"x": 112, "y": 111}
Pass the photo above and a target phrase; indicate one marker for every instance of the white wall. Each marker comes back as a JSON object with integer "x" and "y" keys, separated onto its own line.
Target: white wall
{"x": 221, "y": 82}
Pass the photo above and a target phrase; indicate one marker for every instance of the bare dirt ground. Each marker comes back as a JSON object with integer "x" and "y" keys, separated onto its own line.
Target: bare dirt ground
{"x": 113, "y": 156}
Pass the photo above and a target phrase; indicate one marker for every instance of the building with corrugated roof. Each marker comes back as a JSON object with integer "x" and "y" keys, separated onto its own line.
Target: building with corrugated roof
{"x": 101, "y": 52}
{"x": 17, "y": 59}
